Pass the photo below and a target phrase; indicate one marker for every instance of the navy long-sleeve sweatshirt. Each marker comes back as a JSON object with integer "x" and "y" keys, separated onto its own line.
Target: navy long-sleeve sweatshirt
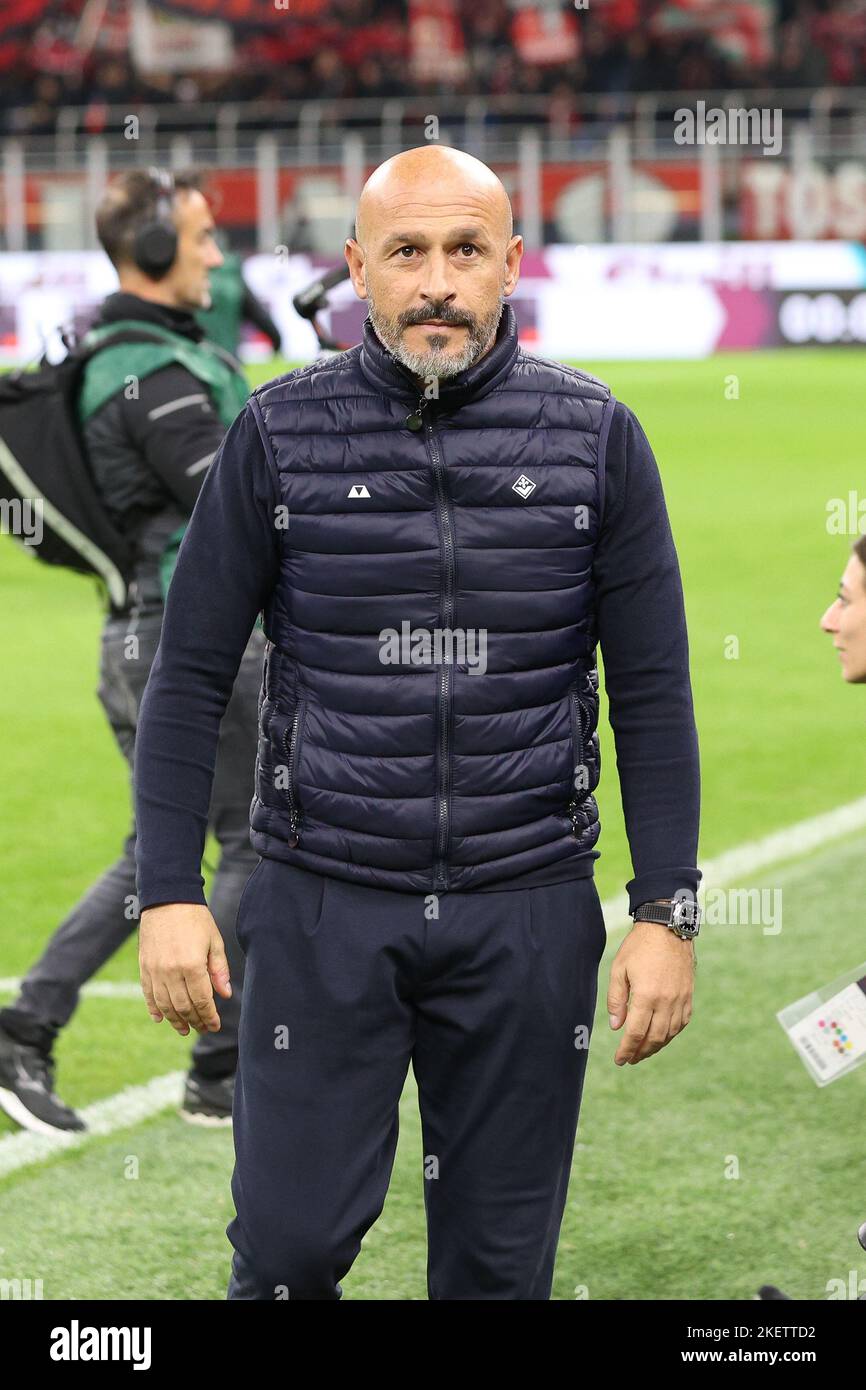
{"x": 226, "y": 569}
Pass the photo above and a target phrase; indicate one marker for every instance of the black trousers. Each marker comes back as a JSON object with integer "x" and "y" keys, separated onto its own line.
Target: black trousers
{"x": 491, "y": 1001}
{"x": 107, "y": 915}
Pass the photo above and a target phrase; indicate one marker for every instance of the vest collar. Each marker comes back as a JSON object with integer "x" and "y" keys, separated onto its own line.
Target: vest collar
{"x": 388, "y": 375}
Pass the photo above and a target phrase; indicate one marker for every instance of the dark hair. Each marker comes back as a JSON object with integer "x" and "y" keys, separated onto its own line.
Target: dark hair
{"x": 859, "y": 548}
{"x": 129, "y": 201}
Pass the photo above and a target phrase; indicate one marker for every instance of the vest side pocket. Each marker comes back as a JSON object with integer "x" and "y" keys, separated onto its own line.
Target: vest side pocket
{"x": 292, "y": 738}
{"x": 265, "y": 708}
{"x": 579, "y": 716}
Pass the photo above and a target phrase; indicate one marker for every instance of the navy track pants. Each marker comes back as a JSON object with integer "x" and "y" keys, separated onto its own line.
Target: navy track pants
{"x": 492, "y": 1001}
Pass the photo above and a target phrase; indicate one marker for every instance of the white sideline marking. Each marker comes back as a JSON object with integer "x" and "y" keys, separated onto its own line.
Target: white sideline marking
{"x": 137, "y": 1103}
{"x": 127, "y": 1107}
{"x": 98, "y": 989}
{"x": 735, "y": 865}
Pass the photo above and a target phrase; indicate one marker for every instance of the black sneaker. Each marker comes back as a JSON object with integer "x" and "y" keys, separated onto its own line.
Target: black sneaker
{"x": 208, "y": 1101}
{"x": 27, "y": 1089}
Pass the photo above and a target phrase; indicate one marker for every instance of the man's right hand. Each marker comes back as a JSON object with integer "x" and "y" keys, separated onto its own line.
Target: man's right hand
{"x": 181, "y": 961}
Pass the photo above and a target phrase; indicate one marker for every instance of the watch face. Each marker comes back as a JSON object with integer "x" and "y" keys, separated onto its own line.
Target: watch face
{"x": 685, "y": 914}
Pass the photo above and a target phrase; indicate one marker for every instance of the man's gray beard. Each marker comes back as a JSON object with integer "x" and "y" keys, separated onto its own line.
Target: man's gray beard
{"x": 436, "y": 362}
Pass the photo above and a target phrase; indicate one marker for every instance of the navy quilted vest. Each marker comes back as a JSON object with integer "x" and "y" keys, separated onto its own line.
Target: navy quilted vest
{"x": 391, "y": 752}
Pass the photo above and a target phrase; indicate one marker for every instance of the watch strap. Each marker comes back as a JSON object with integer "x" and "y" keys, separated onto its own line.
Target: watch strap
{"x": 653, "y": 912}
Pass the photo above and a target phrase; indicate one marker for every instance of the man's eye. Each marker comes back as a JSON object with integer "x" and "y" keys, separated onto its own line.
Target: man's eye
{"x": 470, "y": 245}
{"x": 405, "y": 248}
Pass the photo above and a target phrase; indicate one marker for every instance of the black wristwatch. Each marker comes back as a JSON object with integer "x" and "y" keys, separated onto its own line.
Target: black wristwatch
{"x": 682, "y": 915}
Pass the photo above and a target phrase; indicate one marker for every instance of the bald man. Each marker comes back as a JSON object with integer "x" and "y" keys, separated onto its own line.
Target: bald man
{"x": 467, "y": 300}
{"x": 438, "y": 529}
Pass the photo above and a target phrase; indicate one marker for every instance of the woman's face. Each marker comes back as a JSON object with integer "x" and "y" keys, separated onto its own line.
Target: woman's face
{"x": 846, "y": 619}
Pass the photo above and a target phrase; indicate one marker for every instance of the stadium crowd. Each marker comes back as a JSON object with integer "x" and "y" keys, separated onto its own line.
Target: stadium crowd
{"x": 381, "y": 48}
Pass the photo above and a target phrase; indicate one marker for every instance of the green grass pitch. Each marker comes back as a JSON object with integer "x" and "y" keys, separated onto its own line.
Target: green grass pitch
{"x": 651, "y": 1213}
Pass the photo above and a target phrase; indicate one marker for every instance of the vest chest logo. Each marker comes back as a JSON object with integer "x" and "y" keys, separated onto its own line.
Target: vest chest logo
{"x": 523, "y": 487}
{"x": 358, "y": 490}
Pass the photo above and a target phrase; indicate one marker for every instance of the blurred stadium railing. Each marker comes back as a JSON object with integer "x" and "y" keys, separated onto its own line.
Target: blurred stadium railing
{"x": 609, "y": 168}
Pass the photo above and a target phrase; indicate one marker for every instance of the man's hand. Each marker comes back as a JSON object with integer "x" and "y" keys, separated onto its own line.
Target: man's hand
{"x": 656, "y": 968}
{"x": 181, "y": 961}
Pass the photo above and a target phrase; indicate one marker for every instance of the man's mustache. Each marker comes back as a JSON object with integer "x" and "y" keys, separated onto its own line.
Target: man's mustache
{"x": 444, "y": 316}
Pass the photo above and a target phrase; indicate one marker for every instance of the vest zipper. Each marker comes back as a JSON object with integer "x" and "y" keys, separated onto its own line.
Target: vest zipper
{"x": 578, "y": 723}
{"x": 443, "y": 761}
{"x": 266, "y": 677}
{"x": 290, "y": 741}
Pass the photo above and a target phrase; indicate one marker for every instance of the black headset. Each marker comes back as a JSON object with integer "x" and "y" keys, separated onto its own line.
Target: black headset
{"x": 155, "y": 245}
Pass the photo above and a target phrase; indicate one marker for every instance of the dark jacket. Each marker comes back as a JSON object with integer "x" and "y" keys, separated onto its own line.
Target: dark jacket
{"x": 331, "y": 511}
{"x": 149, "y": 455}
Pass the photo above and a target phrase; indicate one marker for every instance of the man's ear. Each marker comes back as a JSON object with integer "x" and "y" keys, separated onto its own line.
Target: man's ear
{"x": 355, "y": 260}
{"x": 513, "y": 256}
